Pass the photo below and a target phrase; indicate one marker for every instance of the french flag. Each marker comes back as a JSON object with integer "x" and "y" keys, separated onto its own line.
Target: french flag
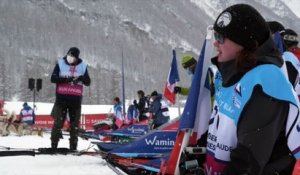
{"x": 194, "y": 120}
{"x": 173, "y": 77}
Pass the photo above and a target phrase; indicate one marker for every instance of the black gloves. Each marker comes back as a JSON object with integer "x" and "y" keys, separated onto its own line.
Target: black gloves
{"x": 76, "y": 80}
{"x": 177, "y": 89}
{"x": 71, "y": 79}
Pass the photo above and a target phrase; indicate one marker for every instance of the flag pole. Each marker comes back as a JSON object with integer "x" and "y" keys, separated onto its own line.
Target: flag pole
{"x": 123, "y": 85}
{"x": 190, "y": 121}
{"x": 178, "y": 104}
{"x": 188, "y": 132}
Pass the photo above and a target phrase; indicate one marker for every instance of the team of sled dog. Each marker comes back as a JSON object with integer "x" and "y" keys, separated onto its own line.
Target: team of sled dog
{"x": 8, "y": 126}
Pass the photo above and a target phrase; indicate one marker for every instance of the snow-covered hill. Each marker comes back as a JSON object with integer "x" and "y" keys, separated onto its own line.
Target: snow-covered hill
{"x": 294, "y": 5}
{"x": 35, "y": 33}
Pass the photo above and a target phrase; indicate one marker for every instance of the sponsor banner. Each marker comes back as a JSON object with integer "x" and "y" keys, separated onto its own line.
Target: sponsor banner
{"x": 86, "y": 122}
{"x": 154, "y": 144}
{"x": 46, "y": 121}
{"x": 134, "y": 130}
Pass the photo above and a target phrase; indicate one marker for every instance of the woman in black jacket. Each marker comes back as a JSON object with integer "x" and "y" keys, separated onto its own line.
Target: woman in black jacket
{"x": 253, "y": 125}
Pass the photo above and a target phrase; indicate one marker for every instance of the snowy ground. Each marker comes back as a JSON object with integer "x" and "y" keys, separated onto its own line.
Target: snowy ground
{"x": 49, "y": 164}
{"x": 54, "y": 164}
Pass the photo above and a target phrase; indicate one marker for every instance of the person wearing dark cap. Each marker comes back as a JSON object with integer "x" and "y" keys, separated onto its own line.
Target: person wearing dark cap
{"x": 26, "y": 121}
{"x": 276, "y": 26}
{"x": 141, "y": 105}
{"x": 291, "y": 41}
{"x": 291, "y": 63}
{"x": 252, "y": 126}
{"x": 189, "y": 63}
{"x": 118, "y": 115}
{"x": 292, "y": 56}
{"x": 159, "y": 110}
{"x": 27, "y": 114}
{"x": 277, "y": 30}
{"x": 70, "y": 74}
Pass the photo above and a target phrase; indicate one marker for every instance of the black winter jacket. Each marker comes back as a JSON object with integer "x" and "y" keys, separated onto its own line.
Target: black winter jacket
{"x": 262, "y": 145}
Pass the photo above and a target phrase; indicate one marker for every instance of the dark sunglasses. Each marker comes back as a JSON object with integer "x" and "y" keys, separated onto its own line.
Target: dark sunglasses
{"x": 219, "y": 37}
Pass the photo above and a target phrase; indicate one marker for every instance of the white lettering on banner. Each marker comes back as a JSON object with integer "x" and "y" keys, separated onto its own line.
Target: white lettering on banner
{"x": 156, "y": 142}
{"x": 71, "y": 90}
{"x": 95, "y": 120}
{"x": 92, "y": 121}
{"x": 44, "y": 122}
{"x": 133, "y": 130}
{"x": 40, "y": 122}
{"x": 166, "y": 148}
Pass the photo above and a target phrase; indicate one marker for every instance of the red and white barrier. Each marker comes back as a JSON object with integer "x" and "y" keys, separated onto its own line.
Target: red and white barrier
{"x": 86, "y": 121}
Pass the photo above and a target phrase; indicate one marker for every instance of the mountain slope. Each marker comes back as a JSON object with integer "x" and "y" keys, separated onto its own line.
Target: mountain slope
{"x": 35, "y": 33}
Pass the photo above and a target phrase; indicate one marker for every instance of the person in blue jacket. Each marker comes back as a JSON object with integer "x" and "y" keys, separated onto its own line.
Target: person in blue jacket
{"x": 69, "y": 75}
{"x": 159, "y": 109}
{"x": 118, "y": 115}
{"x": 27, "y": 114}
{"x": 254, "y": 126}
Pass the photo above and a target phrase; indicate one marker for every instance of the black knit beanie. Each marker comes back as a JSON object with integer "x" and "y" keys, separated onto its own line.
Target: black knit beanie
{"x": 154, "y": 93}
{"x": 74, "y": 51}
{"x": 275, "y": 26}
{"x": 244, "y": 25}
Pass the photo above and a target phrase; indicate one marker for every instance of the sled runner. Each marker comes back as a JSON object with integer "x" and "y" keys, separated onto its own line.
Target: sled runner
{"x": 43, "y": 151}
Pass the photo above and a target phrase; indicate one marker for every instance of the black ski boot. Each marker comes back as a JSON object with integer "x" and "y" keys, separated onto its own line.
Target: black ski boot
{"x": 54, "y": 145}
{"x": 73, "y": 146}
{"x": 61, "y": 135}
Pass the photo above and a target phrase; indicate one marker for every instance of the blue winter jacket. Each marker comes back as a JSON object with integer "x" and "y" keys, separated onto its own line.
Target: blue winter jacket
{"x": 160, "y": 111}
{"x": 27, "y": 115}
